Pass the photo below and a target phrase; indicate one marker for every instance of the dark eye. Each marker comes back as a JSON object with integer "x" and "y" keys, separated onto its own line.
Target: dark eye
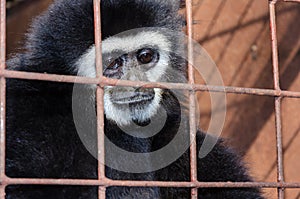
{"x": 114, "y": 69}
{"x": 145, "y": 56}
{"x": 115, "y": 64}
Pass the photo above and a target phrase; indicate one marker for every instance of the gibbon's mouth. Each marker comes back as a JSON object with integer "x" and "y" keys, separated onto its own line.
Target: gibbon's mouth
{"x": 126, "y": 104}
{"x": 138, "y": 97}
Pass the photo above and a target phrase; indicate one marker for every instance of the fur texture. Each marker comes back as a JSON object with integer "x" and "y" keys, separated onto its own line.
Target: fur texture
{"x": 42, "y": 141}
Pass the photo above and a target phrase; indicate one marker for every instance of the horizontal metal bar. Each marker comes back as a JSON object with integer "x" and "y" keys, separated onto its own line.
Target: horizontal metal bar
{"x": 180, "y": 86}
{"x": 47, "y": 77}
{"x": 109, "y": 183}
{"x": 275, "y": 1}
{"x": 297, "y": 1}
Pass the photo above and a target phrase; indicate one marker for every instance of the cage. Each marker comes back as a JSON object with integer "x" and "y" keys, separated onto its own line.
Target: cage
{"x": 260, "y": 68}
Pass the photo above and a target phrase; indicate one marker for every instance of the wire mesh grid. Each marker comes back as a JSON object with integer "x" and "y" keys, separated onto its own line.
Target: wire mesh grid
{"x": 102, "y": 182}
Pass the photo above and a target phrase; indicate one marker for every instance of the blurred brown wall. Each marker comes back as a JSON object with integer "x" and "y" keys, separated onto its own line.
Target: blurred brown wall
{"x": 18, "y": 19}
{"x": 236, "y": 34}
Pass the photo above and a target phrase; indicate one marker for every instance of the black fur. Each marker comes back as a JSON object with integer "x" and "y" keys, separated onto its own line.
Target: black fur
{"x": 42, "y": 141}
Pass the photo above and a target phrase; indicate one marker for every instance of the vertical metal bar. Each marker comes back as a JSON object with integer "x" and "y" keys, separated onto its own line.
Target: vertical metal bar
{"x": 2, "y": 125}
{"x": 2, "y": 33}
{"x": 192, "y": 103}
{"x": 274, "y": 44}
{"x": 99, "y": 98}
{"x": 2, "y": 192}
{"x": 280, "y": 174}
{"x": 2, "y": 94}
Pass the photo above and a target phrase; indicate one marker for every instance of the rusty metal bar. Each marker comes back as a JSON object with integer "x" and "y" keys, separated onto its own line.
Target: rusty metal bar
{"x": 274, "y": 44}
{"x": 99, "y": 99}
{"x": 2, "y": 94}
{"x": 180, "y": 86}
{"x": 2, "y": 192}
{"x": 2, "y": 125}
{"x": 108, "y": 182}
{"x": 278, "y": 123}
{"x": 192, "y": 100}
{"x": 2, "y": 33}
{"x": 296, "y": 1}
{"x": 48, "y": 77}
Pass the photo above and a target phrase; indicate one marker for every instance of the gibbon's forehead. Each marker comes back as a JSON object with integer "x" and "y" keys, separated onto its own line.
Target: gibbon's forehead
{"x": 137, "y": 41}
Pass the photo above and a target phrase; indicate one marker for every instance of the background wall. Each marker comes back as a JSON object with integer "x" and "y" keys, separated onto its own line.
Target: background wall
{"x": 20, "y": 15}
{"x": 236, "y": 34}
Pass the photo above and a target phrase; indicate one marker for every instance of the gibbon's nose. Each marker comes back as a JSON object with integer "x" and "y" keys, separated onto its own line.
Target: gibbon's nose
{"x": 144, "y": 91}
{"x": 131, "y": 95}
{"x": 134, "y": 74}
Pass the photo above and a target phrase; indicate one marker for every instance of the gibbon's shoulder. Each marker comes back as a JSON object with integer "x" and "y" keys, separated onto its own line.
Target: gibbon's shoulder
{"x": 221, "y": 158}
{"x": 223, "y": 164}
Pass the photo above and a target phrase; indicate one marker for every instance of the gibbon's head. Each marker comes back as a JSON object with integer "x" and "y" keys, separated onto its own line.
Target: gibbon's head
{"x": 144, "y": 55}
{"x": 137, "y": 45}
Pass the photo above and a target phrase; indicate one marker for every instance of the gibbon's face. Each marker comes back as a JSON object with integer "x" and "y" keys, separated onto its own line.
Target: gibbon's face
{"x": 140, "y": 57}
